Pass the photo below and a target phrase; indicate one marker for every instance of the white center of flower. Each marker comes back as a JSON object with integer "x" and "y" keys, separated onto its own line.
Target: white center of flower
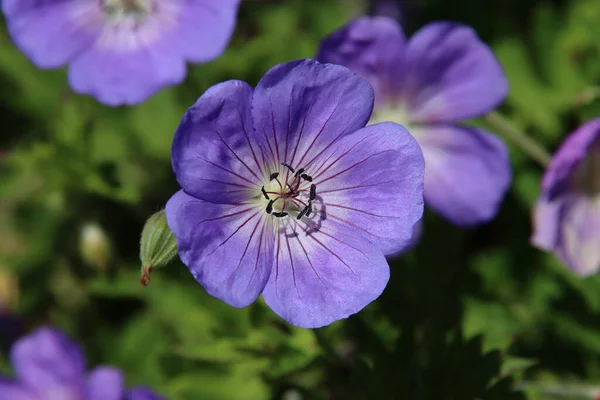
{"x": 395, "y": 114}
{"x": 126, "y": 8}
{"x": 587, "y": 174}
{"x": 289, "y": 192}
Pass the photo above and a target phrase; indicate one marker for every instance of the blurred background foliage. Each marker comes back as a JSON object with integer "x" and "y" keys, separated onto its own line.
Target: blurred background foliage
{"x": 469, "y": 314}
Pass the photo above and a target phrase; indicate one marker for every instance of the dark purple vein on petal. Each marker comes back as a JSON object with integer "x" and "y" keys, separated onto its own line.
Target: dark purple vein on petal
{"x": 309, "y": 261}
{"x": 360, "y": 211}
{"x": 274, "y": 130}
{"x": 235, "y": 154}
{"x": 322, "y": 169}
{"x": 291, "y": 161}
{"x": 245, "y": 251}
{"x": 354, "y": 187}
{"x": 258, "y": 165}
{"x": 312, "y": 236}
{"x": 337, "y": 174}
{"x": 236, "y": 231}
{"x": 227, "y": 170}
{"x": 342, "y": 133}
{"x": 317, "y": 136}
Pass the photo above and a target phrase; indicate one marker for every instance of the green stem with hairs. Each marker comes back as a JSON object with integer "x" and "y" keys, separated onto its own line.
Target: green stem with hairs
{"x": 501, "y": 124}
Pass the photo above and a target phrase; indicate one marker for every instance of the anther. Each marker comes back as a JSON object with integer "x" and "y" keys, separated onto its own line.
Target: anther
{"x": 270, "y": 206}
{"x": 309, "y": 209}
{"x": 299, "y": 172}
{"x": 279, "y": 214}
{"x": 302, "y": 213}
{"x": 289, "y": 167}
{"x": 264, "y": 192}
{"x": 313, "y": 192}
{"x": 306, "y": 177}
{"x": 274, "y": 175}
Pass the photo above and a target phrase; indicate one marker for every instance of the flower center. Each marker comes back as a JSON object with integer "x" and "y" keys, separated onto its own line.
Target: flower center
{"x": 290, "y": 193}
{"x": 126, "y": 8}
{"x": 587, "y": 174}
{"x": 393, "y": 113}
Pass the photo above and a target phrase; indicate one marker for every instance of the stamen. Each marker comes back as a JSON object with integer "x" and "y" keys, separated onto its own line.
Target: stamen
{"x": 273, "y": 175}
{"x": 294, "y": 191}
{"x": 313, "y": 192}
{"x": 270, "y": 206}
{"x": 289, "y": 167}
{"x": 279, "y": 214}
{"x": 264, "y": 192}
{"x": 306, "y": 177}
{"x": 300, "y": 171}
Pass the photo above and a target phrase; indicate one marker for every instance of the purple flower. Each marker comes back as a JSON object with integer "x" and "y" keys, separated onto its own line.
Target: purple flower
{"x": 442, "y": 75}
{"x": 567, "y": 214}
{"x": 121, "y": 51}
{"x": 50, "y": 366}
{"x": 286, "y": 193}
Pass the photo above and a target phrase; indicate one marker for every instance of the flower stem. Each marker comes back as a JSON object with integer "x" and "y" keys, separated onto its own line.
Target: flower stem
{"x": 587, "y": 96}
{"x": 528, "y": 145}
{"x": 557, "y": 390}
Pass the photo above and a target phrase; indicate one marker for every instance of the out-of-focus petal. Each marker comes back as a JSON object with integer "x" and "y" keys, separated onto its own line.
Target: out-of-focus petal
{"x": 49, "y": 362}
{"x": 301, "y": 108}
{"x": 10, "y": 390}
{"x": 371, "y": 47}
{"x": 105, "y": 383}
{"x": 228, "y": 248}
{"x": 372, "y": 182}
{"x": 449, "y": 74}
{"x": 567, "y": 214}
{"x": 206, "y": 40}
{"x": 467, "y": 172}
{"x": 570, "y": 227}
{"x": 323, "y": 274}
{"x": 141, "y": 393}
{"x": 119, "y": 76}
{"x": 214, "y": 154}
{"x": 51, "y": 32}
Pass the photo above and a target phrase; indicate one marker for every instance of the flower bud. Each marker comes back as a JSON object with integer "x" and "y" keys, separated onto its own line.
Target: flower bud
{"x": 9, "y": 291}
{"x": 95, "y": 247}
{"x": 158, "y": 245}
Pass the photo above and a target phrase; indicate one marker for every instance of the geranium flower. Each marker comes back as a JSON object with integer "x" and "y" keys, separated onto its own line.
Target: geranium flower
{"x": 48, "y": 366}
{"x": 567, "y": 214}
{"x": 442, "y": 75}
{"x": 120, "y": 51}
{"x": 286, "y": 193}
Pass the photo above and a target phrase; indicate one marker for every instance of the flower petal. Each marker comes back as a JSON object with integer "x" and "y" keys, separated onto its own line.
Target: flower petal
{"x": 49, "y": 362}
{"x": 105, "y": 383}
{"x": 141, "y": 393}
{"x": 373, "y": 182}
{"x": 300, "y": 108}
{"x": 214, "y": 155}
{"x": 228, "y": 248}
{"x": 467, "y": 172}
{"x": 572, "y": 153}
{"x": 449, "y": 74}
{"x": 323, "y": 274}
{"x": 51, "y": 32}
{"x": 205, "y": 41}
{"x": 569, "y": 226}
{"x": 371, "y": 47}
{"x": 121, "y": 76}
{"x": 12, "y": 391}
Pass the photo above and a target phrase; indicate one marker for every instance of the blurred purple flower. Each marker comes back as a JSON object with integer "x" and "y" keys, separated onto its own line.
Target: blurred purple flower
{"x": 121, "y": 51}
{"x": 567, "y": 214}
{"x": 442, "y": 75}
{"x": 286, "y": 193}
{"x": 48, "y": 365}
